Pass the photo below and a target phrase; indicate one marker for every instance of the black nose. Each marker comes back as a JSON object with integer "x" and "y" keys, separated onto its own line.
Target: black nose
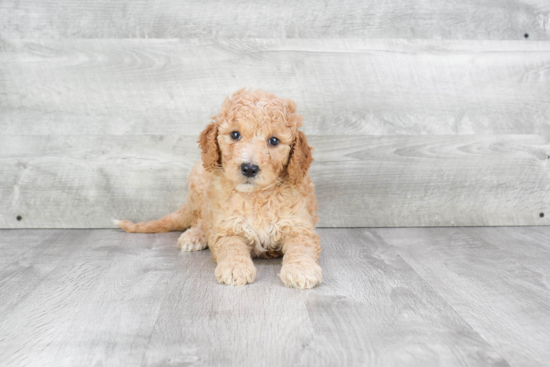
{"x": 249, "y": 170}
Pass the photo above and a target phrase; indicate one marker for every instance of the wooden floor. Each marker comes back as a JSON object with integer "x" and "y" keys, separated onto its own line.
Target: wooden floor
{"x": 390, "y": 297}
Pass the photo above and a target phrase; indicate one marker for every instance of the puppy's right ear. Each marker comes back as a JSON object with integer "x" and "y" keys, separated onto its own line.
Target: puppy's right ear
{"x": 208, "y": 141}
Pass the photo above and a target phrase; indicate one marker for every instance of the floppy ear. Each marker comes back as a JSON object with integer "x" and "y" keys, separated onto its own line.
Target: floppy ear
{"x": 300, "y": 159}
{"x": 208, "y": 141}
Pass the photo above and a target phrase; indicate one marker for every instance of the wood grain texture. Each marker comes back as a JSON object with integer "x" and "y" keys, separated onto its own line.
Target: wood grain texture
{"x": 342, "y": 87}
{"x": 432, "y": 180}
{"x": 27, "y": 258}
{"x": 76, "y": 181}
{"x": 529, "y": 245}
{"x": 374, "y": 310}
{"x": 87, "y": 297}
{"x": 494, "y": 289}
{"x": 125, "y": 299}
{"x": 374, "y": 181}
{"x": 469, "y": 19}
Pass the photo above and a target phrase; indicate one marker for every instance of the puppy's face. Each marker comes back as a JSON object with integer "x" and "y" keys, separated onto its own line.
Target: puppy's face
{"x": 254, "y": 153}
{"x": 256, "y": 142}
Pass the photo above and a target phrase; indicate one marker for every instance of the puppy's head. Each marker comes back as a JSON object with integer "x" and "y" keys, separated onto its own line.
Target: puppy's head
{"x": 255, "y": 141}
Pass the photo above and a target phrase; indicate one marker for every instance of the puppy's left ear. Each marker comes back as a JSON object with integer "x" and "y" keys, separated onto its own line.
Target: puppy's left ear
{"x": 208, "y": 141}
{"x": 300, "y": 159}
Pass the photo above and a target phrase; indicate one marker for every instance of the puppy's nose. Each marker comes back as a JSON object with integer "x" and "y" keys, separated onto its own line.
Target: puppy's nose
{"x": 249, "y": 170}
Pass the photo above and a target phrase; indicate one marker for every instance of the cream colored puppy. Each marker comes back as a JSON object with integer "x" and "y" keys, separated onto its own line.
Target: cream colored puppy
{"x": 251, "y": 194}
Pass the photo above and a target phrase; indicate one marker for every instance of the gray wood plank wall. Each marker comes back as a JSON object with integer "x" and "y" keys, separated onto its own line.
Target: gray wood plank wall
{"x": 433, "y": 19}
{"x": 428, "y": 115}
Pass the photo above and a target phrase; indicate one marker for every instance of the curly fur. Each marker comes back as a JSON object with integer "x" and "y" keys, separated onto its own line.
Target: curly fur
{"x": 269, "y": 215}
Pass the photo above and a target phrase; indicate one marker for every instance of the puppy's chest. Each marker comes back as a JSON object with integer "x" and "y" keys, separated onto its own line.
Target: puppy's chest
{"x": 261, "y": 225}
{"x": 262, "y": 229}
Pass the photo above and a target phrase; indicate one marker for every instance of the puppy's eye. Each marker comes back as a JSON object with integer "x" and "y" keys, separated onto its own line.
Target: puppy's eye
{"x": 236, "y": 135}
{"x": 273, "y": 141}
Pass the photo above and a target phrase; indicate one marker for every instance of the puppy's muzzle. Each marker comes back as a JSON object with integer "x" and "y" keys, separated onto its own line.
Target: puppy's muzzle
{"x": 249, "y": 170}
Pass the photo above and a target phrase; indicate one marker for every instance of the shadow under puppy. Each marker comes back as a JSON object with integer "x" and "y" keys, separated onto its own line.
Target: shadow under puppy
{"x": 251, "y": 194}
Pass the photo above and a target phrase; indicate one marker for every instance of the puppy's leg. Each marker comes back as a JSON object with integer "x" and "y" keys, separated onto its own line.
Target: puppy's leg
{"x": 235, "y": 265}
{"x": 300, "y": 267}
{"x": 193, "y": 239}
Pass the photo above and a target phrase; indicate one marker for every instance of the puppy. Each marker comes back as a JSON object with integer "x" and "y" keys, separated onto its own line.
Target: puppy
{"x": 251, "y": 194}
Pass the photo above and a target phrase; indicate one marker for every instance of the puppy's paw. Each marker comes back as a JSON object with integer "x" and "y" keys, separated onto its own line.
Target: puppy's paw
{"x": 301, "y": 275}
{"x": 192, "y": 240}
{"x": 235, "y": 272}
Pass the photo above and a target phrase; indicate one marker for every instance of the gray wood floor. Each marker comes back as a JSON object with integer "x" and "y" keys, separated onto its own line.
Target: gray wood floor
{"x": 390, "y": 297}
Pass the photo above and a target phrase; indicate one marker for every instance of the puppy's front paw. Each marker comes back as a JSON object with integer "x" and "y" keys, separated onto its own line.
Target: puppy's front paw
{"x": 192, "y": 240}
{"x": 235, "y": 272}
{"x": 301, "y": 275}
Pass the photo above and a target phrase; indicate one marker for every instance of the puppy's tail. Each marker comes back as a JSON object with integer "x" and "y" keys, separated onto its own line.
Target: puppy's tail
{"x": 177, "y": 221}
